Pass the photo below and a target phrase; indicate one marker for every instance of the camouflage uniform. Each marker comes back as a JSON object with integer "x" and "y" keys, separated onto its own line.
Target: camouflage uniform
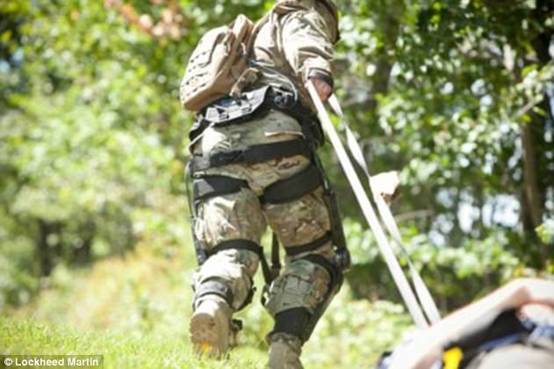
{"x": 295, "y": 44}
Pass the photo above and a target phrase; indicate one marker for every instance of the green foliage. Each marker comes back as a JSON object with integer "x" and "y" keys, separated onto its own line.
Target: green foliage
{"x": 546, "y": 232}
{"x": 93, "y": 133}
{"x": 457, "y": 95}
{"x": 451, "y": 273}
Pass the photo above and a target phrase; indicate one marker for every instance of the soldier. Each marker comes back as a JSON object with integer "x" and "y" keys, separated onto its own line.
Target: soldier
{"x": 513, "y": 327}
{"x": 261, "y": 169}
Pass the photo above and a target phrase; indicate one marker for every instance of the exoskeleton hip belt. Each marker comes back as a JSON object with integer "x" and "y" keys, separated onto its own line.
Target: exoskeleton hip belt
{"x": 254, "y": 104}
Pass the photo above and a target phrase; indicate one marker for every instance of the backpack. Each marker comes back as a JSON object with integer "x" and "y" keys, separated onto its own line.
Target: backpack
{"x": 216, "y": 64}
{"x": 219, "y": 66}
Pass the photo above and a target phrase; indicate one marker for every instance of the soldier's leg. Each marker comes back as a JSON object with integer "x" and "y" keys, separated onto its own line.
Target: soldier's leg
{"x": 299, "y": 296}
{"x": 227, "y": 228}
{"x": 228, "y": 219}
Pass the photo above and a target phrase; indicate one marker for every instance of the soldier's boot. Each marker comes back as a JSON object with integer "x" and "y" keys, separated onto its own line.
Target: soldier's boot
{"x": 210, "y": 327}
{"x": 284, "y": 351}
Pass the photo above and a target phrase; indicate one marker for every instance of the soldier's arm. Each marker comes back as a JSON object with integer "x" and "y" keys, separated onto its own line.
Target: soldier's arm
{"x": 308, "y": 36}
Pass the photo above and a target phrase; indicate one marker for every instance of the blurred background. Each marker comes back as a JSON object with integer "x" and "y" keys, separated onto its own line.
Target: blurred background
{"x": 95, "y": 248}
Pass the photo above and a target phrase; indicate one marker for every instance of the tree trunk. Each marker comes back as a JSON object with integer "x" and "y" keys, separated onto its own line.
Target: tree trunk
{"x": 531, "y": 191}
{"x": 532, "y": 137}
{"x": 46, "y": 252}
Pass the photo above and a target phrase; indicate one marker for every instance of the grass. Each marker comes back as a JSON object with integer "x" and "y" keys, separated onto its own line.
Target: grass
{"x": 134, "y": 310}
{"x": 121, "y": 351}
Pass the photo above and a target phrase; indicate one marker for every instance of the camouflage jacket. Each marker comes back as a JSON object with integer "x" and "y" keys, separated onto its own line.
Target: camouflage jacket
{"x": 296, "y": 43}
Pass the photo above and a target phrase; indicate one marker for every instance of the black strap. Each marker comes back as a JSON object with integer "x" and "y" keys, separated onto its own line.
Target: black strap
{"x": 294, "y": 187}
{"x": 275, "y": 258}
{"x": 339, "y": 240}
{"x": 311, "y": 246}
{"x": 243, "y": 244}
{"x": 198, "y": 247}
{"x": 214, "y": 185}
{"x": 252, "y": 155}
{"x": 292, "y": 321}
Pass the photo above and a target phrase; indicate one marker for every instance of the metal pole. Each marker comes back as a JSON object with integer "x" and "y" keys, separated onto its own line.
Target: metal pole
{"x": 367, "y": 209}
{"x": 421, "y": 290}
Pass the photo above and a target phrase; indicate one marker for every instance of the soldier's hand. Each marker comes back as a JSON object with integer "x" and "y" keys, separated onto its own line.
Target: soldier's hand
{"x": 386, "y": 185}
{"x": 323, "y": 89}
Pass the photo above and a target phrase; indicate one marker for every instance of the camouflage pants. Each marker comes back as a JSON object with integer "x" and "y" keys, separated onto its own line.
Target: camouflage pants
{"x": 240, "y": 215}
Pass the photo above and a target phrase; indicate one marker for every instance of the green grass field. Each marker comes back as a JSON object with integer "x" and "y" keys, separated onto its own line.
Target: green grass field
{"x": 134, "y": 311}
{"x": 120, "y": 350}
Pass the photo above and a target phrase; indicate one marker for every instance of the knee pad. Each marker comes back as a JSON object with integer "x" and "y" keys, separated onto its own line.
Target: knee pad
{"x": 302, "y": 284}
{"x": 299, "y": 297}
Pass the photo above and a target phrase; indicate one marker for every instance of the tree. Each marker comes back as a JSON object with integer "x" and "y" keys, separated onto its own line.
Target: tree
{"x": 460, "y": 104}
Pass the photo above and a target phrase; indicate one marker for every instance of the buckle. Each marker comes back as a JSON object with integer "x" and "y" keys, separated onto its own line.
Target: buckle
{"x": 282, "y": 99}
{"x": 342, "y": 259}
